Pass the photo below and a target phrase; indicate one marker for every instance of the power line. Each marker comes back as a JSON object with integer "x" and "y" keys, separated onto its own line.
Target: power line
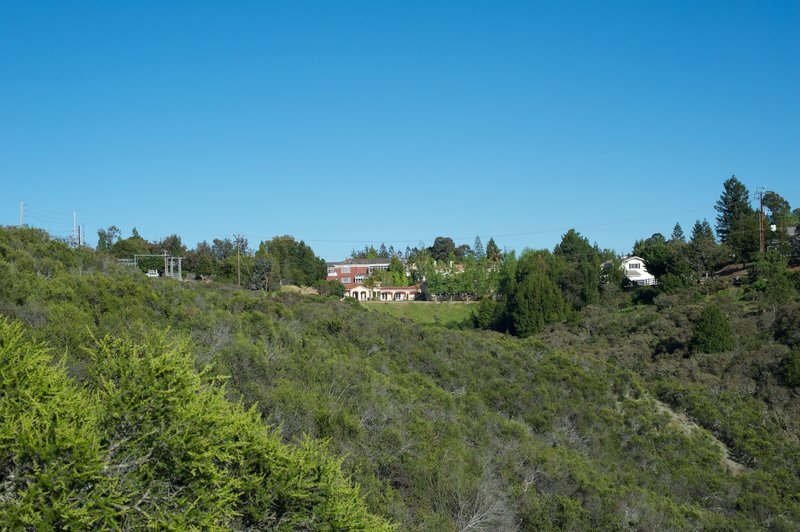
{"x": 583, "y": 227}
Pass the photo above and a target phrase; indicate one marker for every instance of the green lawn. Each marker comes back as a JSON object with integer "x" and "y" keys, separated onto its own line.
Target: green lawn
{"x": 426, "y": 313}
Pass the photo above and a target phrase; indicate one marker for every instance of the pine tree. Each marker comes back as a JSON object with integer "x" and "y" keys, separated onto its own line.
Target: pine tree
{"x": 677, "y": 234}
{"x": 493, "y": 251}
{"x": 734, "y": 201}
{"x": 477, "y": 248}
{"x": 704, "y": 252}
{"x": 737, "y": 222}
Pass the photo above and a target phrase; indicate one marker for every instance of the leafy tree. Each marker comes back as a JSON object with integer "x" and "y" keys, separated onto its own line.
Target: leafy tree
{"x": 330, "y": 288}
{"x": 223, "y": 248}
{"x": 654, "y": 252}
{"x": 298, "y": 264}
{"x": 712, "y": 332}
{"x": 106, "y": 238}
{"x": 202, "y": 260}
{"x": 442, "y": 248}
{"x": 462, "y": 252}
{"x": 258, "y": 278}
{"x": 172, "y": 244}
{"x": 133, "y": 245}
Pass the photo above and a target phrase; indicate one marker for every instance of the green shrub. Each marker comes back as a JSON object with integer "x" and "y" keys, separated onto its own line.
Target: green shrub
{"x": 330, "y": 288}
{"x": 791, "y": 369}
{"x": 51, "y": 461}
{"x": 152, "y": 443}
{"x": 787, "y": 324}
{"x": 712, "y": 332}
{"x": 485, "y": 315}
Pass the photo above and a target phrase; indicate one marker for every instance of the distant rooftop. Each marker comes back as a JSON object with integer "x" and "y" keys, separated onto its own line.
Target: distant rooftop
{"x": 361, "y": 261}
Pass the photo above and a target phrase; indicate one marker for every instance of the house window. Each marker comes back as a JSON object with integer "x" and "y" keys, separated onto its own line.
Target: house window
{"x": 359, "y": 278}
{"x": 345, "y": 280}
{"x": 634, "y": 266}
{"x": 345, "y": 269}
{"x": 331, "y": 271}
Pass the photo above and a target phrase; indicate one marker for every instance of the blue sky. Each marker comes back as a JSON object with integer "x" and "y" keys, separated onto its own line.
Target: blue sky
{"x": 345, "y": 123}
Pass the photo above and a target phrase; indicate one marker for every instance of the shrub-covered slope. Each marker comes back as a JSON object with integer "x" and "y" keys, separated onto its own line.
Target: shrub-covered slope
{"x": 149, "y": 442}
{"x": 441, "y": 429}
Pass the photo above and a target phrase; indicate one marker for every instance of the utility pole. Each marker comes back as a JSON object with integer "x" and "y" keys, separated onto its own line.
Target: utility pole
{"x": 21, "y": 213}
{"x": 761, "y": 238}
{"x": 74, "y": 228}
{"x": 238, "y": 259}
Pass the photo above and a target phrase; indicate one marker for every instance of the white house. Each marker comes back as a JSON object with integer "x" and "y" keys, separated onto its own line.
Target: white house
{"x": 636, "y": 272}
{"x": 383, "y": 293}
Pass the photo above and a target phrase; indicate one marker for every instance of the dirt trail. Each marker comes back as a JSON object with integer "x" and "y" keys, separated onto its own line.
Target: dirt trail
{"x": 685, "y": 424}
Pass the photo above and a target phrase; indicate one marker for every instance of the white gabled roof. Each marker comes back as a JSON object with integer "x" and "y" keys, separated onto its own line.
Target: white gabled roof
{"x": 632, "y": 257}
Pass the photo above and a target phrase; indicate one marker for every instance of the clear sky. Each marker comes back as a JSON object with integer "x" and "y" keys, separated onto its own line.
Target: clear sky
{"x": 345, "y": 123}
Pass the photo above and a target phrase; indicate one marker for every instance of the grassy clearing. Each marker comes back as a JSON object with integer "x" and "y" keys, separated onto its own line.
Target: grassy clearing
{"x": 425, "y": 313}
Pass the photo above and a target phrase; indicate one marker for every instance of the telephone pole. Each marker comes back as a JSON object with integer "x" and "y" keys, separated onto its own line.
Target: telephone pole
{"x": 238, "y": 259}
{"x": 761, "y": 238}
{"x": 21, "y": 213}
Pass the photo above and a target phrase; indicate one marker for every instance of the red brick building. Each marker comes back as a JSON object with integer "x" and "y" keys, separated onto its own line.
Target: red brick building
{"x": 352, "y": 273}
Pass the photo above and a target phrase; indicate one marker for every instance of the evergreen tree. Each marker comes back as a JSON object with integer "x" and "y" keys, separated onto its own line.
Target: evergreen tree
{"x": 703, "y": 251}
{"x": 577, "y": 270}
{"x": 573, "y": 246}
{"x": 737, "y": 222}
{"x": 735, "y": 199}
{"x": 493, "y": 252}
{"x": 298, "y": 264}
{"x": 712, "y": 332}
{"x": 478, "y": 248}
{"x": 536, "y": 302}
{"x": 677, "y": 234}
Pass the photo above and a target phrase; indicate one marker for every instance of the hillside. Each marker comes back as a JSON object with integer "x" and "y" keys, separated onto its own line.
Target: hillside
{"x": 605, "y": 421}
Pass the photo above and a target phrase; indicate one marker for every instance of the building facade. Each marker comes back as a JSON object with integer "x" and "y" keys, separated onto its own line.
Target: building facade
{"x": 636, "y": 272}
{"x": 353, "y": 274}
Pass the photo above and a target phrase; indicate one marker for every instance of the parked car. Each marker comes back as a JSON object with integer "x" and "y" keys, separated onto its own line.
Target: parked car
{"x": 152, "y": 273}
